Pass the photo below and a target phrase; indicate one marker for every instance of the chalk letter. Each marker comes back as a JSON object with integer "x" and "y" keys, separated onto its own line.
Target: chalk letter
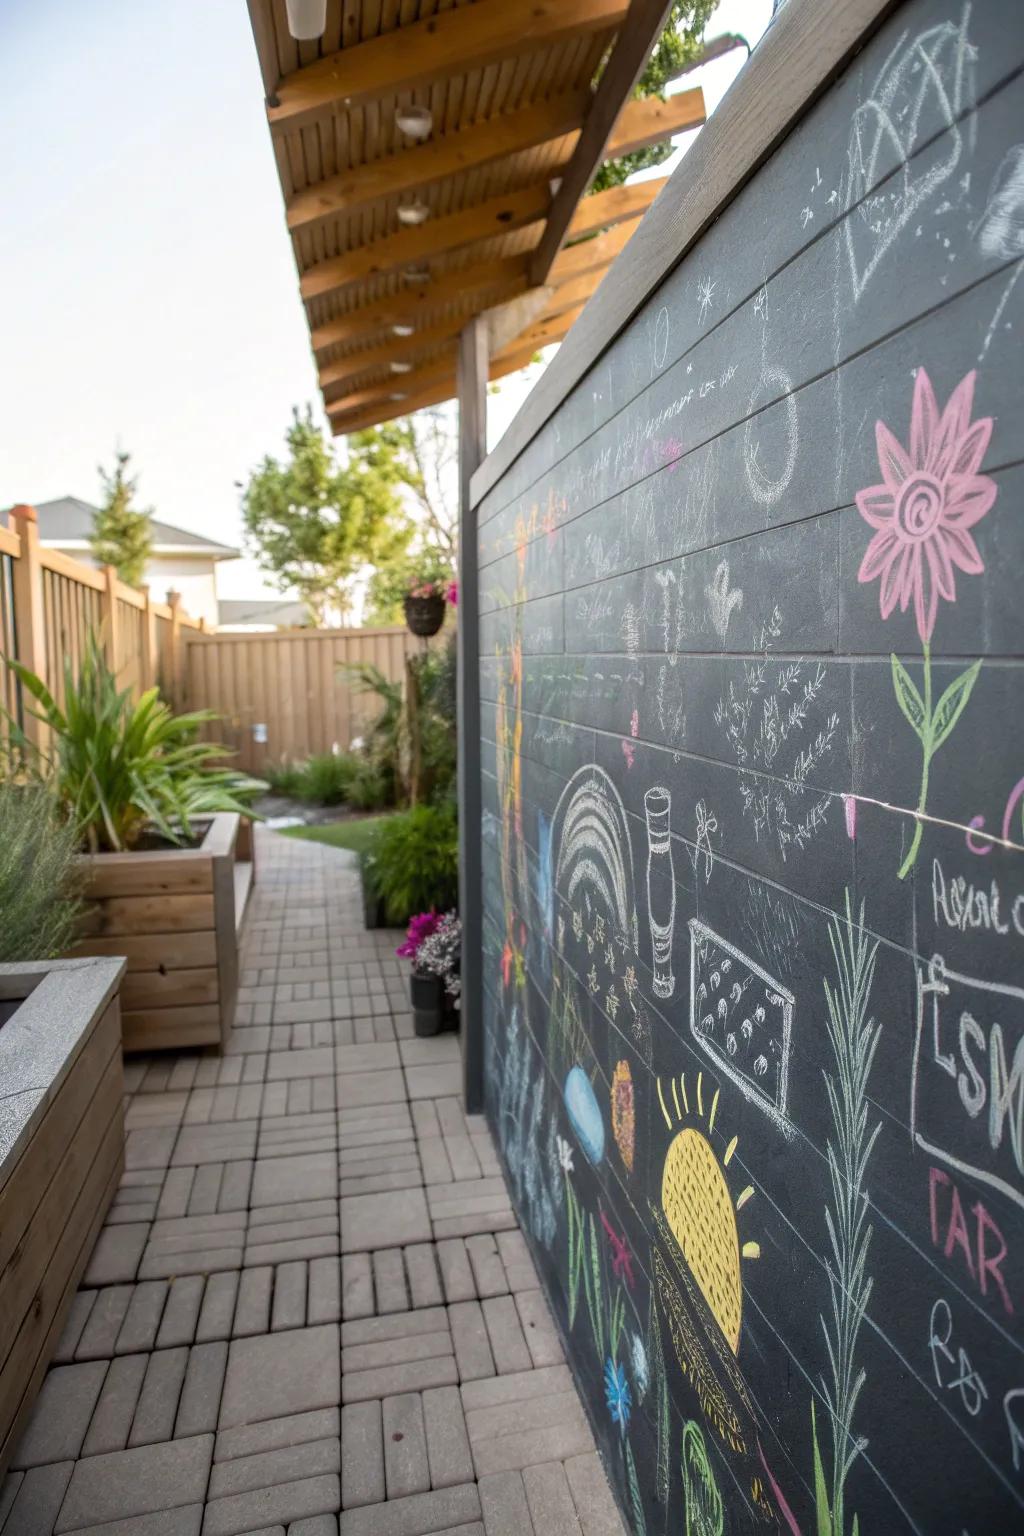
{"x": 957, "y": 1236}
{"x": 988, "y": 1264}
{"x": 1007, "y": 1095}
{"x": 935, "y": 1177}
{"x": 972, "y": 1095}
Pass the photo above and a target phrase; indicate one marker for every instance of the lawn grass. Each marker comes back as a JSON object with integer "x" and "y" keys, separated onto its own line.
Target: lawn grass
{"x": 354, "y": 834}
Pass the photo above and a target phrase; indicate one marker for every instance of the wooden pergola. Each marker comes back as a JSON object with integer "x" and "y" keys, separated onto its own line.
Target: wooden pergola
{"x": 516, "y": 132}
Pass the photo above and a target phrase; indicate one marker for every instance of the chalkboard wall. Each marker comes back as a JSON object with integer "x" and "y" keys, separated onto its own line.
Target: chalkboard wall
{"x": 752, "y": 611}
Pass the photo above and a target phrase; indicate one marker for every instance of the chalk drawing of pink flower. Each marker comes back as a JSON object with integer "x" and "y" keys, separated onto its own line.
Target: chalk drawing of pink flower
{"x": 931, "y": 495}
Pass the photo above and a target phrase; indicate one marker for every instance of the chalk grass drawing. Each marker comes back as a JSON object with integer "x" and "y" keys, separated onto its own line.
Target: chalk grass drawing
{"x": 921, "y": 91}
{"x": 931, "y": 495}
{"x": 661, "y": 889}
{"x": 705, "y": 1515}
{"x": 722, "y": 599}
{"x": 853, "y": 1036}
{"x": 742, "y": 1018}
{"x": 526, "y": 1130}
{"x": 763, "y": 718}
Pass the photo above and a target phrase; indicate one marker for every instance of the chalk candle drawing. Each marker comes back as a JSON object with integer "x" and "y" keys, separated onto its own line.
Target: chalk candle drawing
{"x": 742, "y": 1018}
{"x": 967, "y": 1076}
{"x": 931, "y": 494}
{"x": 853, "y": 1035}
{"x": 932, "y": 72}
{"x": 1000, "y": 230}
{"x": 722, "y": 599}
{"x": 661, "y": 889}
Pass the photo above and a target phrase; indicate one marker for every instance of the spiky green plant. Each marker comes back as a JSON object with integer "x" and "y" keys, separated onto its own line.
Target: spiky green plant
{"x": 39, "y": 878}
{"x": 853, "y": 1036}
{"x": 116, "y": 766}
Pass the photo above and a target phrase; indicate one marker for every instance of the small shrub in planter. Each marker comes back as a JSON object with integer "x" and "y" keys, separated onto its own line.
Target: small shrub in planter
{"x": 40, "y": 879}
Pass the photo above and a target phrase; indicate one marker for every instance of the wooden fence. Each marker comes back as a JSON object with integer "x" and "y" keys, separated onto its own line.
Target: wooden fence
{"x": 49, "y": 604}
{"x": 286, "y": 695}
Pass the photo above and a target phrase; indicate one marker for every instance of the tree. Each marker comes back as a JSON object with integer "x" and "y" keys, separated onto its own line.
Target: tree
{"x": 679, "y": 48}
{"x": 314, "y": 524}
{"x": 121, "y": 534}
{"x": 421, "y": 452}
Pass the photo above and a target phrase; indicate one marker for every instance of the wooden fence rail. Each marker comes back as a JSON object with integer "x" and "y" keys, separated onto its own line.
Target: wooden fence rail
{"x": 285, "y": 695}
{"x": 50, "y": 604}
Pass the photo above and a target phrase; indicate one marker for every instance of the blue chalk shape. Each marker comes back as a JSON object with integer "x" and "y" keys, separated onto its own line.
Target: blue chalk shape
{"x": 584, "y": 1114}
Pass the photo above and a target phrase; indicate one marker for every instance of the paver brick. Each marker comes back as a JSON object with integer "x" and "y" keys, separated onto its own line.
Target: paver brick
{"x": 158, "y": 1402}
{"x": 279, "y": 1180}
{"x": 488, "y": 1270}
{"x": 252, "y": 1315}
{"x": 389, "y": 1280}
{"x": 508, "y": 1344}
{"x": 142, "y": 1319}
{"x": 181, "y": 1314}
{"x": 112, "y": 1419}
{"x": 78, "y": 1315}
{"x": 284, "y": 1502}
{"x": 199, "y": 1405}
{"x": 406, "y": 1468}
{"x": 362, "y": 1467}
{"x": 136, "y": 1482}
{"x": 541, "y": 1335}
{"x": 592, "y": 1496}
{"x": 424, "y": 1281}
{"x": 116, "y": 1255}
{"x": 248, "y": 1474}
{"x": 421, "y": 1514}
{"x": 276, "y": 1374}
{"x": 272, "y": 1434}
{"x": 448, "y": 1451}
{"x": 323, "y": 1303}
{"x": 469, "y": 1335}
{"x": 369, "y": 1222}
{"x": 99, "y": 1335}
{"x": 289, "y": 1307}
{"x": 456, "y": 1271}
{"x": 551, "y": 1503}
{"x": 505, "y": 1510}
{"x": 38, "y": 1499}
{"x": 61, "y": 1415}
{"x": 217, "y": 1312}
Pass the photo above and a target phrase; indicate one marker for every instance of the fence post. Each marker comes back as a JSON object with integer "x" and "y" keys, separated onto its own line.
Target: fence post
{"x": 174, "y": 667}
{"x": 109, "y": 610}
{"x": 149, "y": 653}
{"x": 29, "y": 615}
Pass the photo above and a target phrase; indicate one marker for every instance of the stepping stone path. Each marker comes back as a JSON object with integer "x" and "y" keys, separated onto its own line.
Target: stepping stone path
{"x": 311, "y": 1310}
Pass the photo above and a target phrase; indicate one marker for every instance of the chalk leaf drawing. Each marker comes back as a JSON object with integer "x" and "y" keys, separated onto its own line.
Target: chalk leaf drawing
{"x": 722, "y": 599}
{"x": 705, "y": 1515}
{"x": 741, "y": 1018}
{"x": 923, "y": 87}
{"x": 853, "y": 1036}
{"x": 931, "y": 494}
{"x": 661, "y": 888}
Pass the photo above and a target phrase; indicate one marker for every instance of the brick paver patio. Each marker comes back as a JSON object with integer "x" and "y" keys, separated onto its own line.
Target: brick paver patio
{"x": 311, "y": 1295}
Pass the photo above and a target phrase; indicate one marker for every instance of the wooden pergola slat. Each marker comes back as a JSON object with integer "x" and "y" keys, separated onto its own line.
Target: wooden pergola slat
{"x": 448, "y": 43}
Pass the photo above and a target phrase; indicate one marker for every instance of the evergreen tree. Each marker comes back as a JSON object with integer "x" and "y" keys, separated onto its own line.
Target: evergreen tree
{"x": 121, "y": 535}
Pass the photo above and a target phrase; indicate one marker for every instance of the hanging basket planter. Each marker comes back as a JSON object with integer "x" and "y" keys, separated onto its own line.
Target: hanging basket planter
{"x": 425, "y": 615}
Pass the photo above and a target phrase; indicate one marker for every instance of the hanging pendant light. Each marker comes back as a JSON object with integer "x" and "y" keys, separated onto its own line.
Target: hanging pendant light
{"x": 402, "y": 330}
{"x": 307, "y": 19}
{"x": 413, "y": 213}
{"x": 414, "y": 122}
{"x": 401, "y": 367}
{"x": 416, "y": 275}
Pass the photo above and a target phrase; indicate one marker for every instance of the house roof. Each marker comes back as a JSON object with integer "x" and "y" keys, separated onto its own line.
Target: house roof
{"x": 68, "y": 520}
{"x": 526, "y": 99}
{"x": 283, "y": 612}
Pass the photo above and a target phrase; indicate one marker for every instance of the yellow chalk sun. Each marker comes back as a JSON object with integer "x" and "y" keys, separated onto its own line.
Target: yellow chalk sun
{"x": 699, "y": 1209}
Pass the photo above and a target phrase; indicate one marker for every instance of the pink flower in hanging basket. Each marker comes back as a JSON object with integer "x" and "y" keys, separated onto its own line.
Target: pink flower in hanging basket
{"x": 452, "y": 593}
{"x": 930, "y": 496}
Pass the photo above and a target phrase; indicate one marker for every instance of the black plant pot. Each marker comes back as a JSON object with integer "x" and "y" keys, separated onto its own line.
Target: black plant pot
{"x": 425, "y": 615}
{"x": 426, "y": 993}
{"x": 374, "y": 909}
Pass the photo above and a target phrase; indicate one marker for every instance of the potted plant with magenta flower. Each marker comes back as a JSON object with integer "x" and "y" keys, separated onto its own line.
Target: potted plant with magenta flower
{"x": 430, "y": 590}
{"x": 434, "y": 945}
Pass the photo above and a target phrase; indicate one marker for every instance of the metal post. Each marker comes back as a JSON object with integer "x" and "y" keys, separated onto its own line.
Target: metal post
{"x": 472, "y": 380}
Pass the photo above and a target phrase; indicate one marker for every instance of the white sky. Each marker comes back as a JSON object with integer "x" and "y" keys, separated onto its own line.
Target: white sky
{"x": 148, "y": 295}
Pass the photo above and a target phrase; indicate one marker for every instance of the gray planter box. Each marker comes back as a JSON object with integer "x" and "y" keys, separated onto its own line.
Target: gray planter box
{"x": 61, "y": 1156}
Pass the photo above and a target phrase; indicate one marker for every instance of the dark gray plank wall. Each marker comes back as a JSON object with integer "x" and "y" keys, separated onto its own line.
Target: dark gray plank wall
{"x": 755, "y": 1049}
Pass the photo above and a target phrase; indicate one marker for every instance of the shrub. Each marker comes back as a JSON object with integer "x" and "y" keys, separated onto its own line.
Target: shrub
{"x": 117, "y": 765}
{"x": 413, "y": 861}
{"x": 39, "y": 879}
{"x": 284, "y": 778}
{"x": 326, "y": 778}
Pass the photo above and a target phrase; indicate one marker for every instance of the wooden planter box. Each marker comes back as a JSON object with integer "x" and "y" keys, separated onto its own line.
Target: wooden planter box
{"x": 61, "y": 1156}
{"x": 175, "y": 915}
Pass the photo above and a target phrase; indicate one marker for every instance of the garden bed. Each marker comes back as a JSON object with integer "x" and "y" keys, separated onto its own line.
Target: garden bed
{"x": 61, "y": 1155}
{"x": 173, "y": 913}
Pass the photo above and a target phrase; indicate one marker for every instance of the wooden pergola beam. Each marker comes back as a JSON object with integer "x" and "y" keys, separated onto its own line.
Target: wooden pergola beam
{"x": 640, "y": 123}
{"x": 444, "y": 44}
{"x": 472, "y": 225}
{"x": 638, "y": 35}
{"x": 434, "y": 391}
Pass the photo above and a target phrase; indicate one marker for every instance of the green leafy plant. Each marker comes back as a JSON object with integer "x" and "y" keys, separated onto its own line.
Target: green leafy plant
{"x": 39, "y": 879}
{"x": 384, "y": 742}
{"x": 116, "y": 766}
{"x": 326, "y": 778}
{"x": 121, "y": 534}
{"x": 283, "y": 778}
{"x": 413, "y": 862}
